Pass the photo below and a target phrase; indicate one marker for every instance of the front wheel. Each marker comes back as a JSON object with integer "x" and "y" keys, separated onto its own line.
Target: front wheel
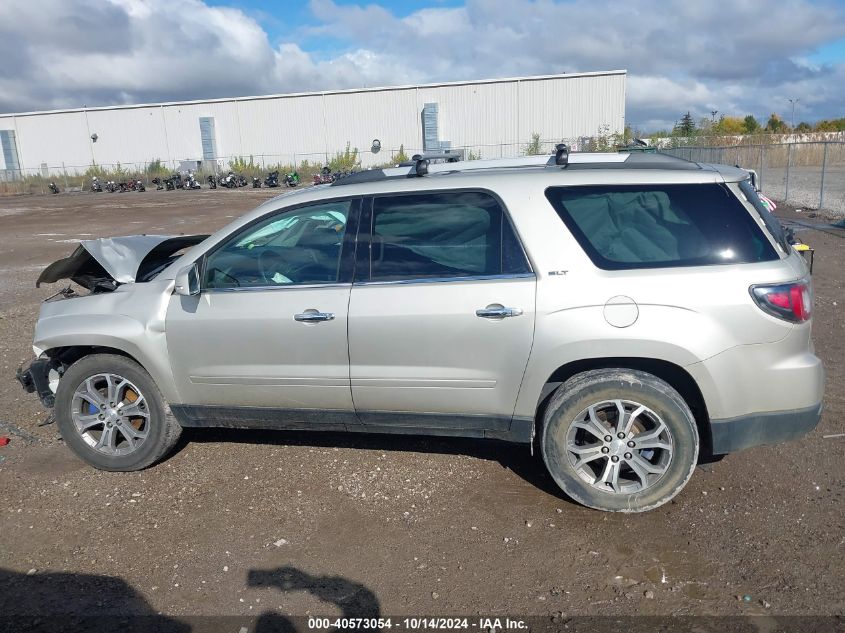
{"x": 619, "y": 440}
{"x": 111, "y": 414}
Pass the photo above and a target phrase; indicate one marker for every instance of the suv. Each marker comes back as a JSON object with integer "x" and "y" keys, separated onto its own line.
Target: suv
{"x": 625, "y": 313}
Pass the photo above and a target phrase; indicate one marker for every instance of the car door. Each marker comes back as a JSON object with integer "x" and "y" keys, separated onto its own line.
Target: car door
{"x": 441, "y": 315}
{"x": 266, "y": 338}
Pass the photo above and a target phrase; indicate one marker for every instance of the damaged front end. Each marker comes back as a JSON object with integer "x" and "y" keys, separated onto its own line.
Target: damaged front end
{"x": 101, "y": 267}
{"x": 35, "y": 378}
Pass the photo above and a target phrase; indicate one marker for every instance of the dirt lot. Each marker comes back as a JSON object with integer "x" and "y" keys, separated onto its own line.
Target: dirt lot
{"x": 246, "y": 523}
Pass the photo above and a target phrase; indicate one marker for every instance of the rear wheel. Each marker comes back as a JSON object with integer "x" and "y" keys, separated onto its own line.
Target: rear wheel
{"x": 619, "y": 440}
{"x": 112, "y": 415}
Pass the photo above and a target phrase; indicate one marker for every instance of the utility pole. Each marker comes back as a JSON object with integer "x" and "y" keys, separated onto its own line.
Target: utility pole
{"x": 792, "y": 119}
{"x": 713, "y": 114}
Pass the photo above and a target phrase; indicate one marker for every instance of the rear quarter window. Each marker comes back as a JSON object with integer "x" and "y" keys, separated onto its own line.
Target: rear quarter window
{"x": 657, "y": 226}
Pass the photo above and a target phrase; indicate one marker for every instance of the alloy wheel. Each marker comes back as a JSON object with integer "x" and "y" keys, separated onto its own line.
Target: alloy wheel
{"x": 110, "y": 414}
{"x": 619, "y": 446}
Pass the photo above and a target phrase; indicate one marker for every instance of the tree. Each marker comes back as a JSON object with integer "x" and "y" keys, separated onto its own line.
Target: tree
{"x": 534, "y": 146}
{"x": 803, "y": 127}
{"x": 685, "y": 127}
{"x": 729, "y": 126}
{"x": 776, "y": 125}
{"x": 831, "y": 125}
{"x": 347, "y": 160}
{"x": 401, "y": 156}
{"x": 750, "y": 124}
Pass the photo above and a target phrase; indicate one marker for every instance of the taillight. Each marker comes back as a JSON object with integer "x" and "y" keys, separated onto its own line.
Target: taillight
{"x": 791, "y": 302}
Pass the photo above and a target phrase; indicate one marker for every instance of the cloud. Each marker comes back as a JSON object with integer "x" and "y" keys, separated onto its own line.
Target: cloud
{"x": 736, "y": 56}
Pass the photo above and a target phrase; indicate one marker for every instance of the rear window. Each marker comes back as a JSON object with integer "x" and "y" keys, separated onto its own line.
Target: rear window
{"x": 656, "y": 226}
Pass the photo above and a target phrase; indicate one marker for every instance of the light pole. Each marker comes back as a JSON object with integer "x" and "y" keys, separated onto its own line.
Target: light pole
{"x": 792, "y": 119}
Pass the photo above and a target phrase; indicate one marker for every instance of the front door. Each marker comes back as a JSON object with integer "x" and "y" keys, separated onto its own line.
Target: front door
{"x": 441, "y": 316}
{"x": 266, "y": 338}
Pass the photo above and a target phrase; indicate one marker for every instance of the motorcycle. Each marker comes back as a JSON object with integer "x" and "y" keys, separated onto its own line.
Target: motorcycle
{"x": 133, "y": 185}
{"x": 228, "y": 180}
{"x": 292, "y": 179}
{"x": 256, "y": 182}
{"x": 111, "y": 187}
{"x": 190, "y": 182}
{"x": 158, "y": 183}
{"x": 96, "y": 187}
{"x": 272, "y": 179}
{"x": 173, "y": 183}
{"x": 324, "y": 177}
{"x": 232, "y": 180}
{"x": 54, "y": 188}
{"x": 212, "y": 181}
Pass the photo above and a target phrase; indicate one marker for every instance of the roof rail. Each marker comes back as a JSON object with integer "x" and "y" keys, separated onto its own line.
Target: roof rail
{"x": 422, "y": 165}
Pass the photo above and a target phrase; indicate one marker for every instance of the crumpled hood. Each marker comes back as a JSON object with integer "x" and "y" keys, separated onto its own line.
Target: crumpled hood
{"x": 109, "y": 261}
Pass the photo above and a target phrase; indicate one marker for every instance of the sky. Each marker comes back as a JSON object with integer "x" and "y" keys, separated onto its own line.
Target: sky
{"x": 737, "y": 57}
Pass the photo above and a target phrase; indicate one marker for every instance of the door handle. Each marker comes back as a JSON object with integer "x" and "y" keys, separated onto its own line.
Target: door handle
{"x": 496, "y": 311}
{"x": 312, "y": 316}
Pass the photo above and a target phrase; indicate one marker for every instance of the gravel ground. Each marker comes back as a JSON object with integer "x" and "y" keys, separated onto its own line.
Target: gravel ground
{"x": 805, "y": 187}
{"x": 244, "y": 523}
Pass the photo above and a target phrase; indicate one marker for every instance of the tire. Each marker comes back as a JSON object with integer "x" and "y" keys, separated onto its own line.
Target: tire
{"x": 153, "y": 431}
{"x": 646, "y": 472}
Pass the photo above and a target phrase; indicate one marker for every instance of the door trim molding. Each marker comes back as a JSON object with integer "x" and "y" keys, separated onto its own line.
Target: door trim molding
{"x": 431, "y": 280}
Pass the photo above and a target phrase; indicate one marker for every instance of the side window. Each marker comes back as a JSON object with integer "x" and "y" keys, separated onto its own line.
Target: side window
{"x": 295, "y": 247}
{"x": 442, "y": 235}
{"x": 771, "y": 222}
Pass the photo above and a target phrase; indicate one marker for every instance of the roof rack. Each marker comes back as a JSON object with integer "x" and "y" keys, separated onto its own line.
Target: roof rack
{"x": 422, "y": 165}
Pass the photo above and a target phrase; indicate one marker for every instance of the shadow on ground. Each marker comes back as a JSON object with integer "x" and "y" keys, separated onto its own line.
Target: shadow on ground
{"x": 515, "y": 457}
{"x": 69, "y": 602}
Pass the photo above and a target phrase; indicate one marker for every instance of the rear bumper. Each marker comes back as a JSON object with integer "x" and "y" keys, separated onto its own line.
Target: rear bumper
{"x": 736, "y": 434}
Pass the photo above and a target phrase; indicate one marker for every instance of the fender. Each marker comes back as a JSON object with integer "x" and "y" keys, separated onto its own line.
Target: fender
{"x": 99, "y": 320}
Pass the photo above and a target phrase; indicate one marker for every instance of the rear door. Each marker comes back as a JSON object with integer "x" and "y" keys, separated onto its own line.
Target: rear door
{"x": 441, "y": 315}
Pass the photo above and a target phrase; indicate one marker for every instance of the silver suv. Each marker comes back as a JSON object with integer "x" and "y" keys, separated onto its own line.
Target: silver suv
{"x": 624, "y": 313}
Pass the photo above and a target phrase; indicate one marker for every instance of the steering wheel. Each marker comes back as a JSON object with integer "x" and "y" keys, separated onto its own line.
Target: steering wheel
{"x": 270, "y": 263}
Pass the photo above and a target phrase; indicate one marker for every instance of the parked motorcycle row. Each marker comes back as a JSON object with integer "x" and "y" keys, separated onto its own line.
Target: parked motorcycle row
{"x": 290, "y": 179}
{"x": 326, "y": 176}
{"x": 111, "y": 186}
{"x": 230, "y": 180}
{"x": 177, "y": 181}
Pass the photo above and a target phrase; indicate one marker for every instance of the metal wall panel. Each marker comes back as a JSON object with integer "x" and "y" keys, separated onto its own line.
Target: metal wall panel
{"x": 278, "y": 129}
{"x": 54, "y": 139}
{"x": 496, "y": 116}
{"x": 577, "y": 106}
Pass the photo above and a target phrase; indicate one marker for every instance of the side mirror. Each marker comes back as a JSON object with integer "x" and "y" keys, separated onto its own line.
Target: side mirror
{"x": 187, "y": 281}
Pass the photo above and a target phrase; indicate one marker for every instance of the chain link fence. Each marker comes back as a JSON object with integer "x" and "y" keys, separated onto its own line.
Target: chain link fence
{"x": 70, "y": 178}
{"x": 803, "y": 174}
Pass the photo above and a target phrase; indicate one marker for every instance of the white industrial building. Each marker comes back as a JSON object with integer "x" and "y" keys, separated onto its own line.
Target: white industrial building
{"x": 491, "y": 117}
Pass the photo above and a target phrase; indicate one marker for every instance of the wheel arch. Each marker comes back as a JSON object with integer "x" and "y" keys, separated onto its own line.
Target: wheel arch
{"x": 674, "y": 375}
{"x": 67, "y": 355}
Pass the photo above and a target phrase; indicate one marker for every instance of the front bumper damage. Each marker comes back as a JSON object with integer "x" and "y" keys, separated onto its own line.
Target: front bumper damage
{"x": 35, "y": 378}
